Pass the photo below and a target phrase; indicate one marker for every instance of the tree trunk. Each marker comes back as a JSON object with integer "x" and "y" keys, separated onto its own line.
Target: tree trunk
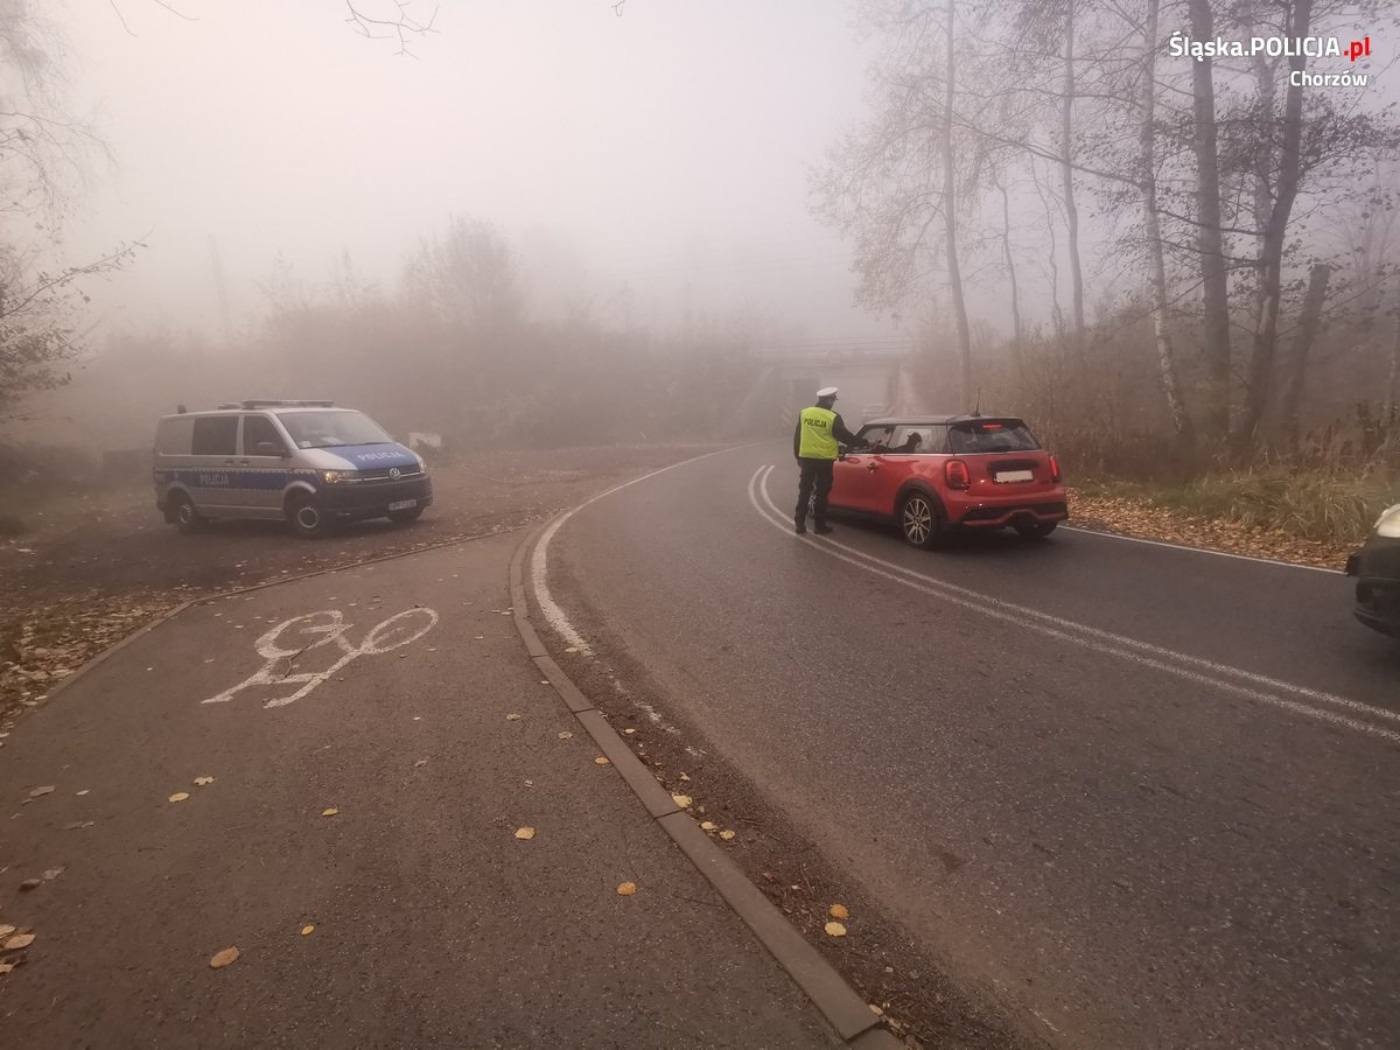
{"x": 1017, "y": 331}
{"x": 1265, "y": 350}
{"x": 1308, "y": 323}
{"x": 1209, "y": 238}
{"x": 1076, "y": 270}
{"x": 1394, "y": 387}
{"x": 950, "y": 222}
{"x": 1166, "y": 352}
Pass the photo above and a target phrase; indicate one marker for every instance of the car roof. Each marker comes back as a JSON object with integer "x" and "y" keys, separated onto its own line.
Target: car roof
{"x": 937, "y": 420}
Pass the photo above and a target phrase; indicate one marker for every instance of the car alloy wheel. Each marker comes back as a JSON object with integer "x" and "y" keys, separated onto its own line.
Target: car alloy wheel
{"x": 918, "y": 519}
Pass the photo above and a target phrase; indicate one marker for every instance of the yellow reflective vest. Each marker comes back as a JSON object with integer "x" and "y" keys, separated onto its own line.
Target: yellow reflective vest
{"x": 816, "y": 441}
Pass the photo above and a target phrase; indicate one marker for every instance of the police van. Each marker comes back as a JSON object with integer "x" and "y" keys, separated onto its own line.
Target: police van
{"x": 307, "y": 463}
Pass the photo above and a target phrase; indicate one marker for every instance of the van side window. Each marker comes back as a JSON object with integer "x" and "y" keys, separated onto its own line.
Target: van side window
{"x": 257, "y": 429}
{"x": 215, "y": 435}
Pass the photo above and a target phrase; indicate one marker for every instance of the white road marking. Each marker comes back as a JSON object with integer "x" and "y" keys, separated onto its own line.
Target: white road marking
{"x": 1200, "y": 550}
{"x": 539, "y": 566}
{"x": 1145, "y": 654}
{"x": 319, "y": 629}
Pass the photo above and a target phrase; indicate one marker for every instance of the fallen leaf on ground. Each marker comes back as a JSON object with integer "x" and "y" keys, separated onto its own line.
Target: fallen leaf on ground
{"x": 6, "y": 968}
{"x": 179, "y": 796}
{"x": 566, "y": 735}
{"x": 601, "y": 761}
{"x": 224, "y": 958}
{"x": 30, "y": 884}
{"x": 78, "y": 825}
{"x": 201, "y": 781}
{"x": 629, "y": 732}
{"x": 685, "y": 778}
{"x": 839, "y": 911}
{"x": 525, "y": 833}
{"x": 41, "y": 791}
{"x": 52, "y": 874}
{"x": 512, "y": 718}
{"x": 876, "y": 1010}
{"x": 81, "y": 793}
{"x": 420, "y": 762}
{"x": 329, "y": 811}
{"x": 626, "y": 889}
{"x": 835, "y": 929}
{"x": 307, "y": 930}
{"x": 16, "y": 941}
{"x": 571, "y": 649}
{"x": 5, "y": 931}
{"x": 726, "y": 835}
{"x": 682, "y": 800}
{"x": 708, "y": 825}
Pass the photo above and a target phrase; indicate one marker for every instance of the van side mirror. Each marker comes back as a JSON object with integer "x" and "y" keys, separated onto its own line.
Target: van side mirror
{"x": 270, "y": 448}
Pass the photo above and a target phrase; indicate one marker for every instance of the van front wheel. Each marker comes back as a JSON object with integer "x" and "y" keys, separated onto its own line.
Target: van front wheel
{"x": 305, "y": 516}
{"x": 187, "y": 519}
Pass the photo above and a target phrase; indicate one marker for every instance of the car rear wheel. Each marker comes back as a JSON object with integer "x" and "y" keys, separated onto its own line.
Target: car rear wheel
{"x": 920, "y": 522}
{"x": 405, "y": 516}
{"x": 305, "y": 516}
{"x": 187, "y": 519}
{"x": 1035, "y": 530}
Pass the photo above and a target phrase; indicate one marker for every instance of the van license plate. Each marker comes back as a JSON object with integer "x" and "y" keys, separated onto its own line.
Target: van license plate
{"x": 1015, "y": 475}
{"x": 403, "y": 504}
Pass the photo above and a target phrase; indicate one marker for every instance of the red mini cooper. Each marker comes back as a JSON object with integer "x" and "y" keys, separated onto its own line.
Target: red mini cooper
{"x": 932, "y": 474}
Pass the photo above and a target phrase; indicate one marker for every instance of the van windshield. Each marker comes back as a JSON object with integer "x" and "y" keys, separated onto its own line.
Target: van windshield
{"x": 328, "y": 429}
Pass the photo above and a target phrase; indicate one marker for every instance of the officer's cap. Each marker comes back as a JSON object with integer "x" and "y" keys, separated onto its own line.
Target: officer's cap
{"x": 826, "y": 392}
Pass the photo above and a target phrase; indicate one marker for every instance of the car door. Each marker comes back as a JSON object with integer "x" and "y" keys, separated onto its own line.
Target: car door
{"x": 908, "y": 449}
{"x": 262, "y": 466}
{"x": 855, "y": 477}
{"x": 213, "y": 459}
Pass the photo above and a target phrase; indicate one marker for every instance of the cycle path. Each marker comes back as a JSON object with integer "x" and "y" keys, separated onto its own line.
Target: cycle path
{"x": 361, "y": 751}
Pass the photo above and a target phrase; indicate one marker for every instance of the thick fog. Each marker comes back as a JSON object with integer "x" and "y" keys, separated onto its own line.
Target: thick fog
{"x": 648, "y": 157}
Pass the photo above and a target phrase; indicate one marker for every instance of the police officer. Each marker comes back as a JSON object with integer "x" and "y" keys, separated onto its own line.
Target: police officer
{"x": 815, "y": 444}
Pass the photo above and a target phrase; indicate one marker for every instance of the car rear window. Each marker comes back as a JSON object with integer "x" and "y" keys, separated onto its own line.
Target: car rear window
{"x": 990, "y": 435}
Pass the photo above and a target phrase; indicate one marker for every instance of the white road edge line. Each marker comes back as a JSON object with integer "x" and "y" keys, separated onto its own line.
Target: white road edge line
{"x": 1129, "y": 649}
{"x": 555, "y": 616}
{"x": 1200, "y": 550}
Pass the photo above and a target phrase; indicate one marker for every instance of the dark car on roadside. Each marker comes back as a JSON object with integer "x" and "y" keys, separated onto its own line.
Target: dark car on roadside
{"x": 935, "y": 474}
{"x": 1376, "y": 567}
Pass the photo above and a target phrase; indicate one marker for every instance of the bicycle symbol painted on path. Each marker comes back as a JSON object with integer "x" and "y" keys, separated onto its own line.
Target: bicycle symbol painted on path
{"x": 292, "y": 639}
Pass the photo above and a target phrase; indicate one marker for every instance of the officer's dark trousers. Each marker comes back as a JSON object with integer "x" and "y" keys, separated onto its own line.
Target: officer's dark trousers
{"x": 816, "y": 474}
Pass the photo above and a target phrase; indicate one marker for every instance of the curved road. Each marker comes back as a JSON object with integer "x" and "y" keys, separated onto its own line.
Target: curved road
{"x": 1148, "y": 794}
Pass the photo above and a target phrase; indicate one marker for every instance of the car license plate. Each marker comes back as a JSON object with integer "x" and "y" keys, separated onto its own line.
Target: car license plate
{"x": 403, "y": 504}
{"x": 1014, "y": 475}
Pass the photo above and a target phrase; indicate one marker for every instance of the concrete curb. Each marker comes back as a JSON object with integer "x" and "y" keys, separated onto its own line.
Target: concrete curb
{"x": 845, "y": 1010}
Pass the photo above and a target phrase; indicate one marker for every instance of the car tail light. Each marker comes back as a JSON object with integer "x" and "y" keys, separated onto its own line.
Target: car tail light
{"x": 956, "y": 475}
{"x": 1054, "y": 469}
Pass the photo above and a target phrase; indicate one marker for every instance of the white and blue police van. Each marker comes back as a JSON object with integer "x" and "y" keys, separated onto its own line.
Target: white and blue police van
{"x": 307, "y": 463}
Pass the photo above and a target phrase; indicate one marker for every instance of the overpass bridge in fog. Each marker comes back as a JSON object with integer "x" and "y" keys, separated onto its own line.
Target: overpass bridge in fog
{"x": 873, "y": 382}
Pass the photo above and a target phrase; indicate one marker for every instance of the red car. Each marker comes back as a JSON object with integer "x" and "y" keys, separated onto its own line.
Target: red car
{"x": 933, "y": 474}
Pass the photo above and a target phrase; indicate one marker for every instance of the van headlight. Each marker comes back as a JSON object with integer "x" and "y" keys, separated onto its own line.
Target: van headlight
{"x": 422, "y": 466}
{"x": 339, "y": 477}
{"x": 1388, "y": 524}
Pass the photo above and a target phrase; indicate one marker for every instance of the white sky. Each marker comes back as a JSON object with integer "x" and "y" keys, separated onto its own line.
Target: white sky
{"x": 666, "y": 149}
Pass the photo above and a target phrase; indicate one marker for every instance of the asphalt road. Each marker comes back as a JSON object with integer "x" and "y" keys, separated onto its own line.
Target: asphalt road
{"x": 1145, "y": 796}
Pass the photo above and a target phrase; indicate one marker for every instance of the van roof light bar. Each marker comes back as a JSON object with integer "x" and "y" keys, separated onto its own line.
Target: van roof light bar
{"x": 273, "y": 403}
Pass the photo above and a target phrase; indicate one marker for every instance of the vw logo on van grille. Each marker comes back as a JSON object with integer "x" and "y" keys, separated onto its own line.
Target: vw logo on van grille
{"x": 394, "y": 473}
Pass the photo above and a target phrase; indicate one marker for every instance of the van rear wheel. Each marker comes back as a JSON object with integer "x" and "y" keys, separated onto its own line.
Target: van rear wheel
{"x": 186, "y": 518}
{"x": 305, "y": 516}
